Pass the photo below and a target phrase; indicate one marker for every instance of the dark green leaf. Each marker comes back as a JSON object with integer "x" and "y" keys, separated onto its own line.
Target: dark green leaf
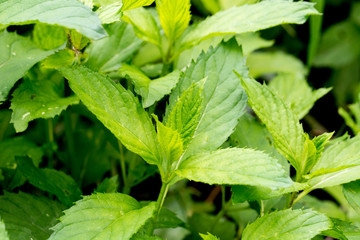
{"x": 28, "y": 217}
{"x": 50, "y": 180}
{"x": 352, "y": 194}
{"x": 109, "y": 185}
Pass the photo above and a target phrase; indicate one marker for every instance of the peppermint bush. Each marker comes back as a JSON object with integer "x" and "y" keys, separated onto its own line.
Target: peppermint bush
{"x": 118, "y": 117}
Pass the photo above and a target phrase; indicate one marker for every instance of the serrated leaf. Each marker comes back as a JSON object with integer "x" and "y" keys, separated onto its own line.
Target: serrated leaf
{"x": 3, "y": 232}
{"x": 103, "y": 216}
{"x": 50, "y": 180}
{"x": 170, "y": 142}
{"x": 109, "y": 185}
{"x": 107, "y": 54}
{"x": 295, "y": 91}
{"x": 67, "y": 13}
{"x": 117, "y": 109}
{"x": 352, "y": 194}
{"x": 235, "y": 166}
{"x": 62, "y": 58}
{"x": 288, "y": 224}
{"x": 27, "y": 216}
{"x": 132, "y": 4}
{"x": 224, "y": 99}
{"x": 150, "y": 90}
{"x": 261, "y": 63}
{"x": 110, "y": 13}
{"x": 17, "y": 55}
{"x": 78, "y": 40}
{"x": 281, "y": 122}
{"x": 320, "y": 143}
{"x": 167, "y": 219}
{"x": 248, "y": 18}
{"x": 186, "y": 113}
{"x": 144, "y": 24}
{"x": 343, "y": 230}
{"x": 48, "y": 37}
{"x": 174, "y": 17}
{"x": 208, "y": 236}
{"x": 38, "y": 98}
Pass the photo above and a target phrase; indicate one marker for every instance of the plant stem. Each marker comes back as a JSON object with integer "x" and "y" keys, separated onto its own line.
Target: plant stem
{"x": 50, "y": 139}
{"x": 262, "y": 209}
{"x": 161, "y": 198}
{"x": 126, "y": 188}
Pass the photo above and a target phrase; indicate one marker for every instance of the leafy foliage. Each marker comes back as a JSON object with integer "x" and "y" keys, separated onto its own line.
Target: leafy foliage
{"x": 136, "y": 117}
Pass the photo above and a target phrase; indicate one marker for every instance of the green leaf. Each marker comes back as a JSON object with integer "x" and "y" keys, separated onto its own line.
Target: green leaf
{"x": 144, "y": 24}
{"x": 107, "y": 54}
{"x": 167, "y": 219}
{"x": 3, "y": 232}
{"x": 109, "y": 185}
{"x": 338, "y": 46}
{"x": 49, "y": 37}
{"x": 78, "y": 40}
{"x": 281, "y": 122}
{"x": 110, "y": 13}
{"x": 103, "y": 216}
{"x": 65, "y": 57}
{"x": 66, "y": 13}
{"x": 38, "y": 97}
{"x": 117, "y": 109}
{"x": 27, "y": 216}
{"x": 208, "y": 236}
{"x": 342, "y": 230}
{"x": 18, "y": 146}
{"x": 248, "y": 18}
{"x": 50, "y": 180}
{"x": 320, "y": 142}
{"x": 295, "y": 91}
{"x": 261, "y": 63}
{"x": 17, "y": 55}
{"x": 174, "y": 17}
{"x": 352, "y": 194}
{"x": 150, "y": 90}
{"x": 235, "y": 166}
{"x": 186, "y": 113}
{"x": 224, "y": 99}
{"x": 288, "y": 224}
{"x": 170, "y": 142}
{"x": 132, "y": 4}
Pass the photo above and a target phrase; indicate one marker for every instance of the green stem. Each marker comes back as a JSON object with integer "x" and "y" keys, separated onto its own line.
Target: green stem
{"x": 126, "y": 188}
{"x": 262, "y": 209}
{"x": 50, "y": 139}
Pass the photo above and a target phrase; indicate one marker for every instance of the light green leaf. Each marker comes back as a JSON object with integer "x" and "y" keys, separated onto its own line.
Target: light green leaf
{"x": 107, "y": 54}
{"x": 343, "y": 230}
{"x": 261, "y": 63}
{"x": 38, "y": 98}
{"x": 132, "y": 4}
{"x": 249, "y": 42}
{"x": 78, "y": 40}
{"x": 49, "y": 37}
{"x": 144, "y": 24}
{"x": 341, "y": 154}
{"x": 150, "y": 90}
{"x": 18, "y": 146}
{"x": 320, "y": 142}
{"x": 167, "y": 219}
{"x": 117, "y": 109}
{"x": 352, "y": 194}
{"x": 338, "y": 46}
{"x": 295, "y": 91}
{"x": 282, "y": 123}
{"x": 17, "y": 55}
{"x": 185, "y": 115}
{"x": 235, "y": 166}
{"x": 66, "y": 13}
{"x": 110, "y": 13}
{"x": 62, "y": 58}
{"x": 288, "y": 224}
{"x": 3, "y": 232}
{"x": 208, "y": 236}
{"x": 170, "y": 142}
{"x": 248, "y": 18}
{"x": 109, "y": 185}
{"x": 224, "y": 99}
{"x": 27, "y": 216}
{"x": 50, "y": 180}
{"x": 174, "y": 17}
{"x": 103, "y": 216}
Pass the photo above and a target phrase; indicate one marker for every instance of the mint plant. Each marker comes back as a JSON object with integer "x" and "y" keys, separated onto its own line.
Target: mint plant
{"x": 107, "y": 95}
